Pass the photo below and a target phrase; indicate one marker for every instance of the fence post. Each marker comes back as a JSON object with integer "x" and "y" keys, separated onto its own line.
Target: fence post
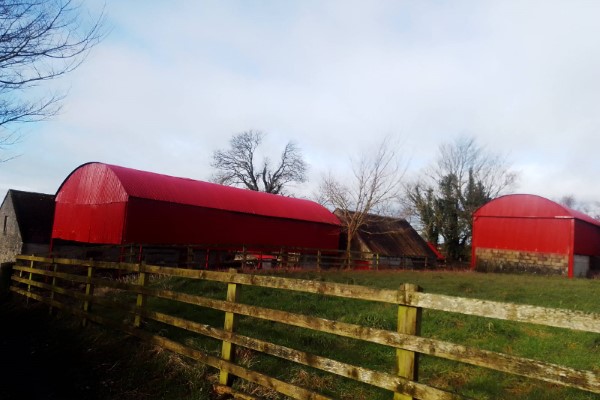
{"x": 409, "y": 322}
{"x": 318, "y": 260}
{"x": 89, "y": 291}
{"x": 31, "y": 265}
{"x": 53, "y": 285}
{"x": 140, "y": 301}
{"x": 228, "y": 350}
{"x": 244, "y": 257}
{"x": 283, "y": 261}
{"x": 189, "y": 258}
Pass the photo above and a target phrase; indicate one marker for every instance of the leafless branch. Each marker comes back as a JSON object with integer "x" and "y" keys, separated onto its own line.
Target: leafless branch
{"x": 237, "y": 165}
{"x": 40, "y": 40}
{"x": 376, "y": 186}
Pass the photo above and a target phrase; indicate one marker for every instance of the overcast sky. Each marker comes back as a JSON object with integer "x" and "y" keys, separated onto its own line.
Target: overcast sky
{"x": 173, "y": 81}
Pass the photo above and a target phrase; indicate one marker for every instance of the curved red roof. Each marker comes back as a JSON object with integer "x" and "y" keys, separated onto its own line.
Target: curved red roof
{"x": 529, "y": 205}
{"x": 98, "y": 183}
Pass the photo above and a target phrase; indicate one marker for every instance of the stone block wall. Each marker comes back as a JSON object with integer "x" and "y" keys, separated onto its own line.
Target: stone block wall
{"x": 502, "y": 260}
{"x": 10, "y": 235}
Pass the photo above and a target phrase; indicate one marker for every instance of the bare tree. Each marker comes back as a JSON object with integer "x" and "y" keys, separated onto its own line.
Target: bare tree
{"x": 464, "y": 177}
{"x": 465, "y": 158}
{"x": 238, "y": 166}
{"x": 591, "y": 208}
{"x": 569, "y": 201}
{"x": 375, "y": 188}
{"x": 40, "y": 40}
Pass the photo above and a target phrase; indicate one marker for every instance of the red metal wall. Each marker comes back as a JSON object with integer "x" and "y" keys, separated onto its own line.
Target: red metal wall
{"x": 154, "y": 222}
{"x": 89, "y": 223}
{"x": 542, "y": 235}
{"x": 534, "y": 224}
{"x": 101, "y": 203}
{"x": 523, "y": 222}
{"x": 587, "y": 238}
{"x": 90, "y": 206}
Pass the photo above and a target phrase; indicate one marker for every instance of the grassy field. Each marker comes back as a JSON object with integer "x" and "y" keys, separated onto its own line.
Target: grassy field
{"x": 568, "y": 348}
{"x": 115, "y": 367}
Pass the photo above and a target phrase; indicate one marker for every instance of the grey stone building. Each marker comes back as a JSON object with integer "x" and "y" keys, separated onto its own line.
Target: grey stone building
{"x": 26, "y": 223}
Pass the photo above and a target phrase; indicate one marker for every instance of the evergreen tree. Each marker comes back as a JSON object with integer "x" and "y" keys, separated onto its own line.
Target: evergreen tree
{"x": 464, "y": 178}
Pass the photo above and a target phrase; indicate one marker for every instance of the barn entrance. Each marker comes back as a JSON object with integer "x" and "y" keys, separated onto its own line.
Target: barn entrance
{"x": 581, "y": 266}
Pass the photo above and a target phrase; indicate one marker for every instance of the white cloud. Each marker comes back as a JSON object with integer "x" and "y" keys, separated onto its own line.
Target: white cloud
{"x": 171, "y": 84}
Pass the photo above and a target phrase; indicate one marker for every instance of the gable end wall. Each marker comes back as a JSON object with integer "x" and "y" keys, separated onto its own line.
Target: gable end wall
{"x": 11, "y": 242}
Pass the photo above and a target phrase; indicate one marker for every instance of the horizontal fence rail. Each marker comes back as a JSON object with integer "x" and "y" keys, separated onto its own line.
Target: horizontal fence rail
{"x": 210, "y": 256}
{"x": 73, "y": 286}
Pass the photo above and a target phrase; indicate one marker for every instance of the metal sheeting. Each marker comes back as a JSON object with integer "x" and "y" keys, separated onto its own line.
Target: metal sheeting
{"x": 91, "y": 183}
{"x": 523, "y": 222}
{"x": 89, "y": 223}
{"x": 529, "y": 205}
{"x": 587, "y": 239}
{"x": 152, "y": 222}
{"x": 534, "y": 224}
{"x": 148, "y": 185}
{"x": 543, "y": 235}
{"x": 101, "y": 203}
{"x": 90, "y": 206}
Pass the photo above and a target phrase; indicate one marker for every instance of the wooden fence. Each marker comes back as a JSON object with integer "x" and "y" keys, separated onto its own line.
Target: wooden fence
{"x": 79, "y": 287}
{"x": 207, "y": 256}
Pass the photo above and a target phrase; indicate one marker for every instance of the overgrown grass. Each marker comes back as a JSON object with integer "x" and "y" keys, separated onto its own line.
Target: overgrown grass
{"x": 51, "y": 358}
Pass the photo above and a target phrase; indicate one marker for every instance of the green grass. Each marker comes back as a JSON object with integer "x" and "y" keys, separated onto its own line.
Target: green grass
{"x": 560, "y": 346}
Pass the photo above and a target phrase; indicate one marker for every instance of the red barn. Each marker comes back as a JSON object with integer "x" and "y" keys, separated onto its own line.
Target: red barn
{"x": 522, "y": 232}
{"x": 108, "y": 204}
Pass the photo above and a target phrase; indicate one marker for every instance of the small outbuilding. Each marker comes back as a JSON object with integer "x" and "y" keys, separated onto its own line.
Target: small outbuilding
{"x": 394, "y": 240}
{"x": 108, "y": 204}
{"x": 26, "y": 219}
{"x": 529, "y": 233}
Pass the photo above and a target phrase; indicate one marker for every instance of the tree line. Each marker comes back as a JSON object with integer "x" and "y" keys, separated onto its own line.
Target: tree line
{"x": 440, "y": 201}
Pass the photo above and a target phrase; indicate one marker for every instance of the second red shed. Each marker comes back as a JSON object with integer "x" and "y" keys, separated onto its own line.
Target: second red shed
{"x": 528, "y": 233}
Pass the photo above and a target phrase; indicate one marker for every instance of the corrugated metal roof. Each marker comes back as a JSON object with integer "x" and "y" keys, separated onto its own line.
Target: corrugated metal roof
{"x": 530, "y": 206}
{"x": 92, "y": 183}
{"x": 100, "y": 183}
{"x": 390, "y": 237}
